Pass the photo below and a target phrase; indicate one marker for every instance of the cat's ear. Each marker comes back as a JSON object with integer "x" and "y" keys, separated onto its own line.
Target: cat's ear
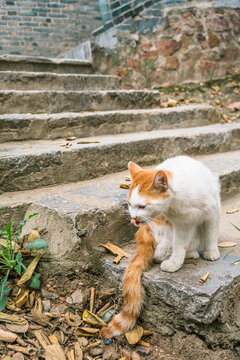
{"x": 133, "y": 168}
{"x": 160, "y": 181}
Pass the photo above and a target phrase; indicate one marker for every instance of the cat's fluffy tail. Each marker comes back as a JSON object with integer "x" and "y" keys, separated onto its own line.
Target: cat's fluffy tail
{"x": 132, "y": 288}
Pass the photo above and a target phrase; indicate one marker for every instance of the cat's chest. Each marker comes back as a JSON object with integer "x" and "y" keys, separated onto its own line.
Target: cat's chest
{"x": 161, "y": 233}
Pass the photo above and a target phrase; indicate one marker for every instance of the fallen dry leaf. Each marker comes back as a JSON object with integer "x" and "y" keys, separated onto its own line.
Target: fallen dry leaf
{"x": 232, "y": 211}
{"x": 71, "y": 138}
{"x": 215, "y": 88}
{"x": 127, "y": 178}
{"x": 54, "y": 352}
{"x": 11, "y": 318}
{"x": 18, "y": 328}
{"x": 70, "y": 355}
{"x": 28, "y": 273}
{"x": 72, "y": 320}
{"x": 85, "y": 331}
{"x": 134, "y": 335}
{"x": 116, "y": 251}
{"x": 33, "y": 235}
{"x": 147, "y": 333}
{"x": 78, "y": 352}
{"x": 144, "y": 343}
{"x": 67, "y": 144}
{"x": 21, "y": 349}
{"x": 42, "y": 338}
{"x": 124, "y": 185}
{"x": 204, "y": 278}
{"x": 3, "y": 243}
{"x": 93, "y": 319}
{"x": 22, "y": 297}
{"x": 7, "y": 336}
{"x": 225, "y": 244}
{"x": 53, "y": 339}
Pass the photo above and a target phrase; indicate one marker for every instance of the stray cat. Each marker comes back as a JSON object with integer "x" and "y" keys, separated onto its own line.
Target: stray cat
{"x": 177, "y": 208}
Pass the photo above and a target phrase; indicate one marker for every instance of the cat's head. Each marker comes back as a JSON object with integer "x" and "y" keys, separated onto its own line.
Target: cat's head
{"x": 149, "y": 194}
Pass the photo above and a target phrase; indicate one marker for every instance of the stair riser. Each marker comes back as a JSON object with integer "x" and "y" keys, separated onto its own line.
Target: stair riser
{"x": 87, "y": 125}
{"x": 86, "y": 162}
{"x": 24, "y": 81}
{"x": 45, "y": 67}
{"x": 55, "y": 102}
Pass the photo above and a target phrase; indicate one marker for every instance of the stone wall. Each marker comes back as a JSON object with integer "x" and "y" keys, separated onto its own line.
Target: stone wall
{"x": 46, "y": 27}
{"x": 196, "y": 42}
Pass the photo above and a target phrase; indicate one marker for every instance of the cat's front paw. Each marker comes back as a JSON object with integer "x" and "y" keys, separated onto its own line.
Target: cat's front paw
{"x": 170, "y": 265}
{"x": 211, "y": 255}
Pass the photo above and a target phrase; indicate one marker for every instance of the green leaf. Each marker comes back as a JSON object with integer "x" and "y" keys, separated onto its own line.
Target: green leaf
{"x": 35, "y": 282}
{"x": 18, "y": 266}
{"x": 236, "y": 227}
{"x": 38, "y": 244}
{"x": 3, "y": 290}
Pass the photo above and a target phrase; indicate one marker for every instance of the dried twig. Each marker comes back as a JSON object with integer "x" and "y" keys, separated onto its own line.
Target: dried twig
{"x": 103, "y": 308}
{"x": 44, "y": 341}
{"x": 92, "y": 299}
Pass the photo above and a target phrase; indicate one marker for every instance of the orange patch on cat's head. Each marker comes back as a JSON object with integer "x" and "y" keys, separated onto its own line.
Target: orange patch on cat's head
{"x": 151, "y": 183}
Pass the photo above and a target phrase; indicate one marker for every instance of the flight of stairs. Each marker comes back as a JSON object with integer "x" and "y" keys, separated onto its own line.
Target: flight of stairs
{"x": 74, "y": 183}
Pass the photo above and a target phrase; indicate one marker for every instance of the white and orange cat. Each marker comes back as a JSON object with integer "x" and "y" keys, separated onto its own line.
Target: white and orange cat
{"x": 177, "y": 208}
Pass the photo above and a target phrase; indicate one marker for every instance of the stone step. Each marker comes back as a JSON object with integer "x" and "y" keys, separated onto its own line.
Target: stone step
{"x": 76, "y": 218}
{"x": 53, "y": 126}
{"x": 15, "y": 80}
{"x": 44, "y": 162}
{"x": 36, "y": 102}
{"x": 180, "y": 301}
{"x": 42, "y": 64}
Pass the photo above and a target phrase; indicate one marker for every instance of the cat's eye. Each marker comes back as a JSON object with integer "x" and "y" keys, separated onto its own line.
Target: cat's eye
{"x": 141, "y": 206}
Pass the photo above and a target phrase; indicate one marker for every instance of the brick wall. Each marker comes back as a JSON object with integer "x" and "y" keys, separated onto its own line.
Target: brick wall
{"x": 46, "y": 27}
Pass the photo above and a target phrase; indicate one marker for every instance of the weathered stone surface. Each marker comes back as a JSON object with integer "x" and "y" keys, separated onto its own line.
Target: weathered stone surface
{"x": 47, "y": 163}
{"x": 13, "y": 80}
{"x": 168, "y": 47}
{"x": 53, "y": 126}
{"x": 213, "y": 40}
{"x": 171, "y": 63}
{"x": 36, "y": 102}
{"x": 28, "y": 63}
{"x": 218, "y": 24}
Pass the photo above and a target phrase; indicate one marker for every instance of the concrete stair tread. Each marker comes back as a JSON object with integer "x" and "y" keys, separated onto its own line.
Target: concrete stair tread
{"x": 52, "y": 126}
{"x": 41, "y": 59}
{"x": 23, "y": 80}
{"x": 104, "y": 193}
{"x": 55, "y": 101}
{"x": 40, "y": 163}
{"x": 37, "y": 147}
{"x": 176, "y": 109}
{"x": 29, "y": 63}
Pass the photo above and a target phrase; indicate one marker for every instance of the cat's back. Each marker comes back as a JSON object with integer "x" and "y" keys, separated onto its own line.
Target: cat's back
{"x": 190, "y": 175}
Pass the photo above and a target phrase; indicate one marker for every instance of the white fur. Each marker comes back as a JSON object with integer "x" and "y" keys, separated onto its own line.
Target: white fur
{"x": 193, "y": 208}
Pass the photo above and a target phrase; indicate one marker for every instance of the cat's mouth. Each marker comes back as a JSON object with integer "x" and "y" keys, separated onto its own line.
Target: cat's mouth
{"x": 138, "y": 222}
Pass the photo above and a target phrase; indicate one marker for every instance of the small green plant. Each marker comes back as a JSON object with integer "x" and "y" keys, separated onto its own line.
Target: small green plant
{"x": 149, "y": 67}
{"x": 210, "y": 79}
{"x": 11, "y": 256}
